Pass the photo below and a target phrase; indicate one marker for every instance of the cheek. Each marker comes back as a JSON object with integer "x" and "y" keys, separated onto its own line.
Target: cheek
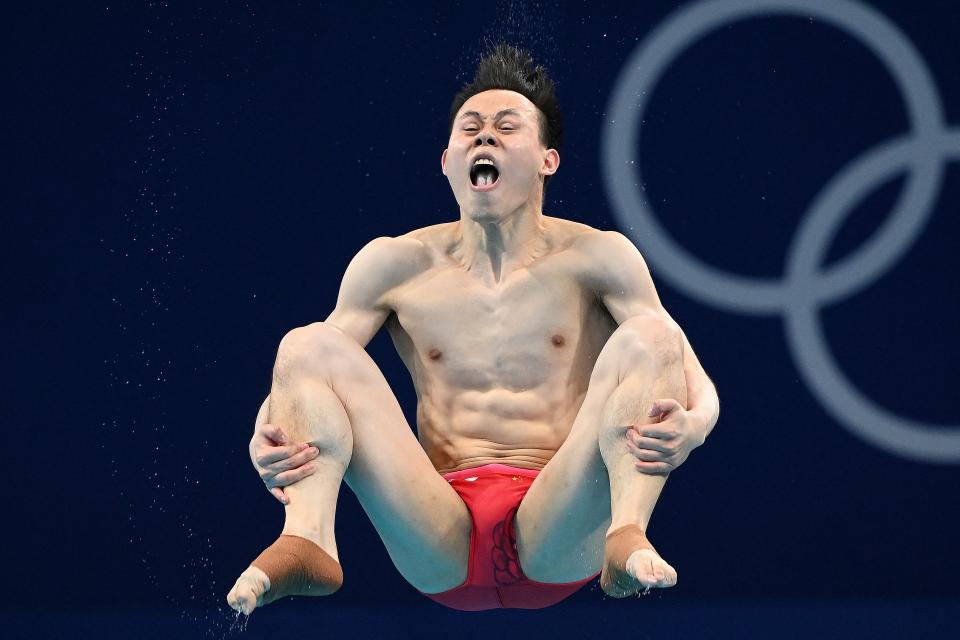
{"x": 526, "y": 168}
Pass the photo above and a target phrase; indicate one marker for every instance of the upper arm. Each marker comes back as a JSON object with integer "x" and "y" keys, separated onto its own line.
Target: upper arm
{"x": 622, "y": 281}
{"x": 618, "y": 274}
{"x": 380, "y": 266}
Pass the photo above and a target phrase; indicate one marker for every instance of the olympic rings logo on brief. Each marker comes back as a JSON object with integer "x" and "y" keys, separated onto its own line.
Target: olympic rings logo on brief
{"x": 806, "y": 286}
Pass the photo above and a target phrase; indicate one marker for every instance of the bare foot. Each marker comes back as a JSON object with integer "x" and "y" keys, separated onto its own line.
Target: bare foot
{"x": 631, "y": 564}
{"x": 247, "y": 594}
{"x": 650, "y": 570}
{"x": 292, "y": 566}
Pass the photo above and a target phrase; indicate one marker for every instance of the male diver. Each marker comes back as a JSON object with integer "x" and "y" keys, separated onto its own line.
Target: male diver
{"x": 555, "y": 393}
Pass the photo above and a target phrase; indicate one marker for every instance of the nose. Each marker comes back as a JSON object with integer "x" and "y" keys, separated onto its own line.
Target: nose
{"x": 485, "y": 138}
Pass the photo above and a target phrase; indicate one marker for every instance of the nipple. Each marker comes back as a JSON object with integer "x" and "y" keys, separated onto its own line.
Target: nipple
{"x": 435, "y": 354}
{"x": 557, "y": 340}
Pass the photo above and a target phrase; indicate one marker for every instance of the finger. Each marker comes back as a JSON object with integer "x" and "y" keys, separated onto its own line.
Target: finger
{"x": 653, "y": 468}
{"x": 287, "y": 478}
{"x": 656, "y": 431}
{"x": 663, "y": 406}
{"x": 657, "y": 444}
{"x": 302, "y": 457}
{"x": 646, "y": 455}
{"x": 274, "y": 432}
{"x": 268, "y": 455}
{"x": 280, "y": 495}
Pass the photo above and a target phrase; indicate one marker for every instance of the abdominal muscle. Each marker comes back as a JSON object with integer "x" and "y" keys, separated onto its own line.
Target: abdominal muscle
{"x": 472, "y": 428}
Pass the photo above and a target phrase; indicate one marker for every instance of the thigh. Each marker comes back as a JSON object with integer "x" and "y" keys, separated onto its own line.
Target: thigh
{"x": 422, "y": 521}
{"x": 562, "y": 522}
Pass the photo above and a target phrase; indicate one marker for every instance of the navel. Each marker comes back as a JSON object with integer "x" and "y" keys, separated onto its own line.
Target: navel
{"x": 557, "y": 340}
{"x": 435, "y": 354}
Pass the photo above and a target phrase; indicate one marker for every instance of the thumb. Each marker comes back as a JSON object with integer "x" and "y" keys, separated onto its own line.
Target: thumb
{"x": 275, "y": 433}
{"x": 663, "y": 406}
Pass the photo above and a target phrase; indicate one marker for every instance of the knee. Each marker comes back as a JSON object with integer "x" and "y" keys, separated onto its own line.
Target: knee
{"x": 311, "y": 349}
{"x": 650, "y": 339}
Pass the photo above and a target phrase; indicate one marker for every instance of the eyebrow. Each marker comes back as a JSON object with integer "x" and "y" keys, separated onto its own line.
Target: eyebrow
{"x": 497, "y": 116}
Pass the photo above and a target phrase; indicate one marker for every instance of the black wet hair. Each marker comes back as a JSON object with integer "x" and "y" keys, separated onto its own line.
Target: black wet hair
{"x": 513, "y": 69}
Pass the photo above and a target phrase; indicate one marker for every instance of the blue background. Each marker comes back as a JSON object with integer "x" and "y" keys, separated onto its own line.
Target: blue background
{"x": 183, "y": 185}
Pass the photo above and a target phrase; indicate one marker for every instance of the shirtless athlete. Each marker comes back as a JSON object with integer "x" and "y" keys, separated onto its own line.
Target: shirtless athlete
{"x": 554, "y": 391}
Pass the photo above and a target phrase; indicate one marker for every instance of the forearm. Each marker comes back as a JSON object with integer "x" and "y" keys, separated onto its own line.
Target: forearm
{"x": 702, "y": 399}
{"x": 262, "y": 416}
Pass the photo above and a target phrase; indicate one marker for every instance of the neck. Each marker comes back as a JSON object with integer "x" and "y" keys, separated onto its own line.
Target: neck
{"x": 494, "y": 248}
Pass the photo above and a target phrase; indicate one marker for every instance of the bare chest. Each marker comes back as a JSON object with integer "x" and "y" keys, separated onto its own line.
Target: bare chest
{"x": 533, "y": 326}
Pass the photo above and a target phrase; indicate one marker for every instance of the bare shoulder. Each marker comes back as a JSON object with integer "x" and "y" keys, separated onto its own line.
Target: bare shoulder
{"x": 435, "y": 237}
{"x": 606, "y": 260}
{"x": 586, "y": 240}
{"x": 599, "y": 242}
{"x": 383, "y": 264}
{"x": 565, "y": 233}
{"x": 386, "y": 254}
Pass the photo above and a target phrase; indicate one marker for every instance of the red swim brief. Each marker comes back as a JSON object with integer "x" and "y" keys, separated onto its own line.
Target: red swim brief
{"x": 495, "y": 580}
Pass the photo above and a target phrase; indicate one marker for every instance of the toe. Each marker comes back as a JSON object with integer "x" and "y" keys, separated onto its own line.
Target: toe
{"x": 234, "y": 598}
{"x": 247, "y": 601}
{"x": 667, "y": 576}
{"x": 650, "y": 570}
{"x": 640, "y": 566}
{"x": 237, "y": 599}
{"x": 651, "y": 578}
{"x": 246, "y": 595}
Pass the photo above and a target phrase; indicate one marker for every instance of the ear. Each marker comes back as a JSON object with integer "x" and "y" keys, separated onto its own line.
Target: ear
{"x": 443, "y": 162}
{"x": 551, "y": 163}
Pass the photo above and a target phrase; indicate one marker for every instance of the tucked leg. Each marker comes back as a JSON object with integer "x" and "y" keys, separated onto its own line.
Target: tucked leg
{"x": 328, "y": 392}
{"x": 591, "y": 488}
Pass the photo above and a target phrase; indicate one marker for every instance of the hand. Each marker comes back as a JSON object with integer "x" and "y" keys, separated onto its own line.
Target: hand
{"x": 664, "y": 445}
{"x": 279, "y": 463}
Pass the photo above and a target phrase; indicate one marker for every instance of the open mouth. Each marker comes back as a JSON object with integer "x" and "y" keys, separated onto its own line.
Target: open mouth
{"x": 484, "y": 174}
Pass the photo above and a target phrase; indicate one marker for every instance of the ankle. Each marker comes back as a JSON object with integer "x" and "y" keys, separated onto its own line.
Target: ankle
{"x": 616, "y": 525}
{"x": 327, "y": 542}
